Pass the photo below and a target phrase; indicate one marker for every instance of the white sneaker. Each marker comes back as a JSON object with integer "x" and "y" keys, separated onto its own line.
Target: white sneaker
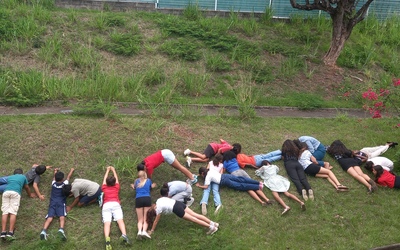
{"x": 190, "y": 202}
{"x": 304, "y": 194}
{"x": 186, "y": 152}
{"x": 146, "y": 235}
{"x": 192, "y": 182}
{"x": 188, "y": 162}
{"x": 212, "y": 230}
{"x": 217, "y": 209}
{"x": 139, "y": 235}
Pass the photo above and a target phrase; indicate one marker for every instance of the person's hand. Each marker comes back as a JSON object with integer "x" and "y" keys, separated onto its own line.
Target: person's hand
{"x": 197, "y": 184}
{"x": 33, "y": 195}
{"x": 150, "y": 232}
{"x": 153, "y": 185}
{"x": 72, "y": 169}
{"x": 132, "y": 186}
{"x": 41, "y": 197}
{"x": 48, "y": 167}
{"x": 109, "y": 168}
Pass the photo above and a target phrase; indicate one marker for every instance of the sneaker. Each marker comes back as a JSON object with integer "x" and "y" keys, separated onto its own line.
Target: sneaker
{"x": 188, "y": 162}
{"x": 10, "y": 236}
{"x": 287, "y": 209}
{"x": 304, "y": 193}
{"x": 216, "y": 224}
{"x": 100, "y": 199}
{"x": 108, "y": 244}
{"x": 125, "y": 240}
{"x": 145, "y": 235}
{"x": 139, "y": 235}
{"x": 217, "y": 209}
{"x": 203, "y": 208}
{"x": 43, "y": 235}
{"x": 61, "y": 234}
{"x": 3, "y": 235}
{"x": 194, "y": 181}
{"x": 311, "y": 194}
{"x": 190, "y": 202}
{"x": 212, "y": 230}
{"x": 186, "y": 152}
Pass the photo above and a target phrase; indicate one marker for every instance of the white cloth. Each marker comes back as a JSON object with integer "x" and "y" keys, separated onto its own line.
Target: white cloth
{"x": 212, "y": 176}
{"x": 272, "y": 180}
{"x": 164, "y": 205}
{"x": 383, "y": 161}
{"x": 304, "y": 159}
{"x": 372, "y": 152}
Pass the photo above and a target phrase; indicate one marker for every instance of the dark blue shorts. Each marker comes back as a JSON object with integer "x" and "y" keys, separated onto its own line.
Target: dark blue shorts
{"x": 56, "y": 210}
{"x": 87, "y": 199}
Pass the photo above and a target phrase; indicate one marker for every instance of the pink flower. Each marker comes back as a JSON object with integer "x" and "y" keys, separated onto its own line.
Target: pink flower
{"x": 396, "y": 83}
{"x": 347, "y": 94}
{"x": 398, "y": 125}
{"x": 383, "y": 92}
{"x": 378, "y": 104}
{"x": 370, "y": 95}
{"x": 377, "y": 114}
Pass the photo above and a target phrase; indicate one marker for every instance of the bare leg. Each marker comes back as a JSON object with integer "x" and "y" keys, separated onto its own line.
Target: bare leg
{"x": 4, "y": 219}
{"x": 361, "y": 173}
{"x": 196, "y": 218}
{"x": 279, "y": 199}
{"x": 181, "y": 168}
{"x": 199, "y": 156}
{"x": 358, "y": 177}
{"x": 140, "y": 218}
{"x": 262, "y": 195}
{"x": 121, "y": 226}
{"x": 62, "y": 221}
{"x": 254, "y": 196}
{"x": 48, "y": 221}
{"x": 107, "y": 228}
{"x": 293, "y": 197}
{"x": 13, "y": 220}
{"x": 331, "y": 176}
{"x": 145, "y": 225}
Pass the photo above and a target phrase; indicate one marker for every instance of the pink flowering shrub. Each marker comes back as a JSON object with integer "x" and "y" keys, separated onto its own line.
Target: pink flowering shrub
{"x": 384, "y": 100}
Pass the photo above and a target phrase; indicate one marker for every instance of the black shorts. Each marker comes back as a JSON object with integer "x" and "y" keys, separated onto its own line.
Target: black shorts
{"x": 179, "y": 209}
{"x": 347, "y": 163}
{"x": 397, "y": 182}
{"x": 312, "y": 169}
{"x": 209, "y": 151}
{"x": 143, "y": 202}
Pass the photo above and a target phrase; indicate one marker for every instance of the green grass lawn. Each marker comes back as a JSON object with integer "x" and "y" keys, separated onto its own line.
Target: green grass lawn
{"x": 352, "y": 220}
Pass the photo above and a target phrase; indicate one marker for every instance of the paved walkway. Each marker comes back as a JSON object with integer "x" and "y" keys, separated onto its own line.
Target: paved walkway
{"x": 202, "y": 110}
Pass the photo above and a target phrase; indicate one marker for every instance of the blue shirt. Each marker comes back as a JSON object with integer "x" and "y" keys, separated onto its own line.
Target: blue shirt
{"x": 231, "y": 165}
{"x": 143, "y": 191}
{"x": 16, "y": 183}
{"x": 311, "y": 142}
{"x": 57, "y": 196}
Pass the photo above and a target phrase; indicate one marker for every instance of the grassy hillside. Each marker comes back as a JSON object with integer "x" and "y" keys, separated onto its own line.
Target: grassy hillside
{"x": 352, "y": 220}
{"x": 66, "y": 54}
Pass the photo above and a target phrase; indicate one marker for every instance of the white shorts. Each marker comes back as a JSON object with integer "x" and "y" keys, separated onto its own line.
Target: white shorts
{"x": 10, "y": 202}
{"x": 169, "y": 157}
{"x": 112, "y": 210}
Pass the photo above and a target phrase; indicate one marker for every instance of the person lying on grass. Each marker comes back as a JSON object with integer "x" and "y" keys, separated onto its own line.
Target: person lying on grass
{"x": 153, "y": 161}
{"x": 277, "y": 184}
{"x": 254, "y": 161}
{"x": 311, "y": 167}
{"x": 385, "y": 178}
{"x": 166, "y": 205}
{"x": 212, "y": 149}
{"x": 240, "y": 183}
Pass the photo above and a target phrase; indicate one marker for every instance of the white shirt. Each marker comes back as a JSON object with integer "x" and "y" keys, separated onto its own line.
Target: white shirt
{"x": 383, "y": 161}
{"x": 305, "y": 159}
{"x": 164, "y": 205}
{"x": 212, "y": 176}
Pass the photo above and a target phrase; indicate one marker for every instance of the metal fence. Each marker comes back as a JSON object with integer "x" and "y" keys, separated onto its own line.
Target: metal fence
{"x": 382, "y": 9}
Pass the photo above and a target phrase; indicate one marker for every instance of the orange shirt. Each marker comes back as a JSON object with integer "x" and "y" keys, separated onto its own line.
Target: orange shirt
{"x": 245, "y": 160}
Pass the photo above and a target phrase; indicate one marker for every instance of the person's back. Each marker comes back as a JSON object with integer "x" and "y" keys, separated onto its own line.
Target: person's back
{"x": 57, "y": 194}
{"x": 16, "y": 182}
{"x": 84, "y": 187}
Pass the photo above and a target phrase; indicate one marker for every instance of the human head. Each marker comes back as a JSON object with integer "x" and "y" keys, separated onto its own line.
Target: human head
{"x": 369, "y": 165}
{"x": 377, "y": 170}
{"x": 337, "y": 148}
{"x": 151, "y": 215}
{"x": 298, "y": 143}
{"x": 66, "y": 190}
{"x": 18, "y": 171}
{"x": 203, "y": 171}
{"x": 217, "y": 159}
{"x": 265, "y": 163}
{"x": 164, "y": 190}
{"x": 237, "y": 148}
{"x": 59, "y": 176}
{"x": 142, "y": 174}
{"x": 110, "y": 181}
{"x": 141, "y": 166}
{"x": 40, "y": 169}
{"x": 290, "y": 149}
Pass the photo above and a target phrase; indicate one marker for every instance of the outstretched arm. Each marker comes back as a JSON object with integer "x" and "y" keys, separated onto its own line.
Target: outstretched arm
{"x": 201, "y": 186}
{"x": 106, "y": 175}
{"x": 70, "y": 173}
{"x": 114, "y": 173}
{"x": 155, "y": 223}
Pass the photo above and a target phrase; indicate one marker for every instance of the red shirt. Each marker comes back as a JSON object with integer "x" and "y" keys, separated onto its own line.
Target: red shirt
{"x": 153, "y": 161}
{"x": 386, "y": 179}
{"x": 110, "y": 193}
{"x": 224, "y": 146}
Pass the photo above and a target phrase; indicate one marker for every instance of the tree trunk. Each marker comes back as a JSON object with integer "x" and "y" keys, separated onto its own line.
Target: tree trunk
{"x": 341, "y": 31}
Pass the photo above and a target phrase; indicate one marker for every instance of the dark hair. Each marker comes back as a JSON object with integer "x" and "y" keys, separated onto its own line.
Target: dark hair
{"x": 290, "y": 149}
{"x": 337, "y": 148}
{"x": 110, "y": 181}
{"x": 164, "y": 190}
{"x": 299, "y": 143}
{"x": 40, "y": 169}
{"x": 59, "y": 176}
{"x": 368, "y": 165}
{"x": 66, "y": 189}
{"x": 140, "y": 166}
{"x": 203, "y": 171}
{"x": 265, "y": 162}
{"x": 217, "y": 159}
{"x": 379, "y": 171}
{"x": 18, "y": 171}
{"x": 236, "y": 148}
{"x": 151, "y": 215}
{"x": 229, "y": 155}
